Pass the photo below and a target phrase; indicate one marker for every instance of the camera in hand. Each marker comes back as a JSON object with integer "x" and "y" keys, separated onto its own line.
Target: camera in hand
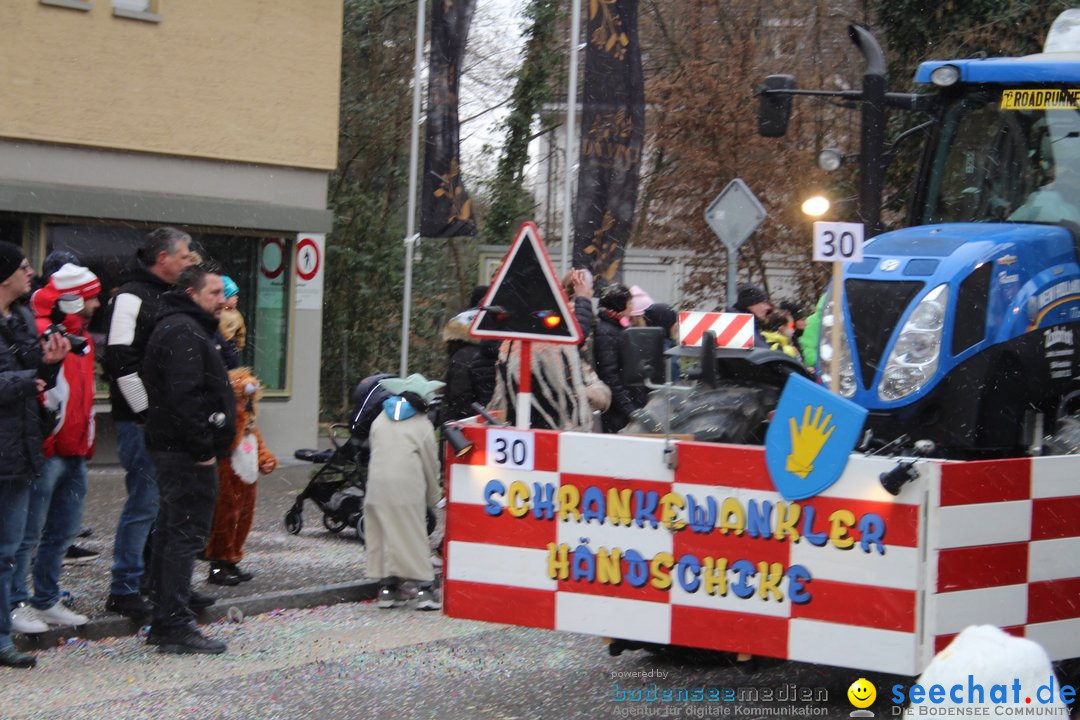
{"x": 66, "y": 305}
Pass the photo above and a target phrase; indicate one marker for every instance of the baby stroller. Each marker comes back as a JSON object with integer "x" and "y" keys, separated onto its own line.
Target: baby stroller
{"x": 338, "y": 486}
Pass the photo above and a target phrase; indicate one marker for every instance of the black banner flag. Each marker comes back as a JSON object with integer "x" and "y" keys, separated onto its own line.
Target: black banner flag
{"x": 612, "y": 136}
{"x": 445, "y": 207}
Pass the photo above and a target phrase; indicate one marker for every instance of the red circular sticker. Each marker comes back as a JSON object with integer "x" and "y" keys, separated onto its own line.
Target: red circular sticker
{"x": 272, "y": 258}
{"x": 307, "y": 259}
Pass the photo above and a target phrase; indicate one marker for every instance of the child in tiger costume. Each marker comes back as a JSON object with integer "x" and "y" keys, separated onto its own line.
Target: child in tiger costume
{"x": 237, "y": 474}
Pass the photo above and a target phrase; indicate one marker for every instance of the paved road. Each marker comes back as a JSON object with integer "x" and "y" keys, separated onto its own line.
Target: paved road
{"x": 355, "y": 661}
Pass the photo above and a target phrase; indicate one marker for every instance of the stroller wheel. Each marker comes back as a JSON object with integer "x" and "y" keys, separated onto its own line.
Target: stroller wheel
{"x": 360, "y": 529}
{"x": 293, "y": 522}
{"x": 333, "y": 524}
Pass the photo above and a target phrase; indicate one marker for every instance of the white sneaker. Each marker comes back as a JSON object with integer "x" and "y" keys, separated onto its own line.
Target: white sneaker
{"x": 24, "y": 619}
{"x": 426, "y": 599}
{"x": 60, "y": 615}
{"x": 391, "y": 598}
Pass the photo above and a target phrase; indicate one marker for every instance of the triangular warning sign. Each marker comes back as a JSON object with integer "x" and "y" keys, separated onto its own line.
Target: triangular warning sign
{"x": 526, "y": 300}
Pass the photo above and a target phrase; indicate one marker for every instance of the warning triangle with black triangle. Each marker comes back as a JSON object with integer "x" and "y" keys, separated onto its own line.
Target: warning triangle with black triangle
{"x": 526, "y": 300}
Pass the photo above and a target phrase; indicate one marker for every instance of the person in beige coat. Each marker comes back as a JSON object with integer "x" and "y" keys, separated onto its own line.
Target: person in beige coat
{"x": 403, "y": 480}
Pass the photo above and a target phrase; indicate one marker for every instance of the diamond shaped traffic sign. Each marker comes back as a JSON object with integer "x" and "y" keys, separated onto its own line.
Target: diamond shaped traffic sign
{"x": 735, "y": 214}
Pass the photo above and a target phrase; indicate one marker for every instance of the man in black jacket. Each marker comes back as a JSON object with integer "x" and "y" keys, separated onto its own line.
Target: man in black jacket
{"x": 27, "y": 368}
{"x": 752, "y": 299}
{"x": 133, "y": 312}
{"x": 190, "y": 425}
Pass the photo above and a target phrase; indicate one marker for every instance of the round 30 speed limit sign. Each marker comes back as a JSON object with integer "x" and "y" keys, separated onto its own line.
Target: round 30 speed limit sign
{"x": 838, "y": 242}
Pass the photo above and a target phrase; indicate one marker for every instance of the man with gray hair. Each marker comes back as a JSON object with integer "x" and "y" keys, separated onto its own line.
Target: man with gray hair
{"x": 133, "y": 312}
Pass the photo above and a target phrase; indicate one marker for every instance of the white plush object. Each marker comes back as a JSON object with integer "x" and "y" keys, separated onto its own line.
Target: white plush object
{"x": 993, "y": 657}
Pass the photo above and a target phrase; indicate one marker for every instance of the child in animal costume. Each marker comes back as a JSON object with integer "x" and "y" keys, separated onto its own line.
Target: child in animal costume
{"x": 235, "y": 507}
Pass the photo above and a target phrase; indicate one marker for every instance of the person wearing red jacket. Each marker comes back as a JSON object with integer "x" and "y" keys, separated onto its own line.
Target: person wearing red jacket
{"x": 69, "y": 299}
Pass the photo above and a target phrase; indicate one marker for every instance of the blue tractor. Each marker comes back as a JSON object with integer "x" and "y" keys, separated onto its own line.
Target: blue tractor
{"x": 961, "y": 328}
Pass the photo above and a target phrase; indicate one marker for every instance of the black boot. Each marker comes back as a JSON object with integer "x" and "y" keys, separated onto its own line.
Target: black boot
{"x": 221, "y": 574}
{"x": 10, "y": 657}
{"x": 243, "y": 575}
{"x": 189, "y": 641}
{"x": 132, "y": 606}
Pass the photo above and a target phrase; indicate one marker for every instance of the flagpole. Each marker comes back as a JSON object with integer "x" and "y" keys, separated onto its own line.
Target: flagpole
{"x": 411, "y": 237}
{"x": 571, "y": 121}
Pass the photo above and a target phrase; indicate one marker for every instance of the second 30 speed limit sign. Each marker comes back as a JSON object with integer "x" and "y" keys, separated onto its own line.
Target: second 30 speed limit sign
{"x": 838, "y": 242}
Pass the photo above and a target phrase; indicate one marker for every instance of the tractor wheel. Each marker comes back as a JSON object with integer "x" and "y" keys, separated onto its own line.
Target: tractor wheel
{"x": 1066, "y": 437}
{"x": 727, "y": 414}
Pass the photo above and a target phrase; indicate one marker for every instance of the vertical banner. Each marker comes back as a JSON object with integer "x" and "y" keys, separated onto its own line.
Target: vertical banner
{"x": 612, "y": 136}
{"x": 445, "y": 207}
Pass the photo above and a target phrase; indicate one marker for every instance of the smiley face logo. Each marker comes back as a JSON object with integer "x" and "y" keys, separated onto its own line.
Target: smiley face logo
{"x": 862, "y": 693}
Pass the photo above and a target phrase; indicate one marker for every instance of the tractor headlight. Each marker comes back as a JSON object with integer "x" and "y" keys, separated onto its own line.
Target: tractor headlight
{"x": 846, "y": 370}
{"x": 945, "y": 75}
{"x": 914, "y": 358}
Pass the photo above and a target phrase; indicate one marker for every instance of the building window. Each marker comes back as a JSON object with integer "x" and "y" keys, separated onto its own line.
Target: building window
{"x": 137, "y": 9}
{"x": 261, "y": 267}
{"x": 69, "y": 4}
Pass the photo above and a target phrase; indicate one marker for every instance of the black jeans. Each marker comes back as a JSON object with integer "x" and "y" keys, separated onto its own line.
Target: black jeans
{"x": 187, "y": 493}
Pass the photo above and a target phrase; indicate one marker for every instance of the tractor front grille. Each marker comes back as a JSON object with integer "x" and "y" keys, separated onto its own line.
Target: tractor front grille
{"x": 876, "y": 307}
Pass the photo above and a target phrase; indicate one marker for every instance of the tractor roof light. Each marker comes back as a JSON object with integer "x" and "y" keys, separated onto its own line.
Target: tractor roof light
{"x": 830, "y": 159}
{"x": 945, "y": 75}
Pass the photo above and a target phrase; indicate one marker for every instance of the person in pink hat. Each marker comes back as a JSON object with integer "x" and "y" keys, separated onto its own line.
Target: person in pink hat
{"x": 639, "y": 303}
{"x": 68, "y": 300}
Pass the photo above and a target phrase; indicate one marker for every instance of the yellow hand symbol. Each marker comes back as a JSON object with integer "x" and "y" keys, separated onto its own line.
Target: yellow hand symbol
{"x": 807, "y": 441}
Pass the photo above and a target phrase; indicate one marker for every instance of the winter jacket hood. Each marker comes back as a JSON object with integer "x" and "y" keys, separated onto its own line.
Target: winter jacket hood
{"x": 457, "y": 328}
{"x": 398, "y": 408}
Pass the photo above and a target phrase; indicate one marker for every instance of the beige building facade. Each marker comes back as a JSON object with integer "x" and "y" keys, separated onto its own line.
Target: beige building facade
{"x": 219, "y": 117}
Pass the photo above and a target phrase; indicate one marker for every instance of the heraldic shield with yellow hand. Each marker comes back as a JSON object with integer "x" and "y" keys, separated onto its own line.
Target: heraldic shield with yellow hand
{"x": 812, "y": 433}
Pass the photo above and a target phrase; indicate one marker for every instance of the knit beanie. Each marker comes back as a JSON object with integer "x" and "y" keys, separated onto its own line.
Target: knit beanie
{"x": 72, "y": 279}
{"x": 231, "y": 288}
{"x": 639, "y": 300}
{"x": 661, "y": 316}
{"x": 11, "y": 258}
{"x": 750, "y": 295}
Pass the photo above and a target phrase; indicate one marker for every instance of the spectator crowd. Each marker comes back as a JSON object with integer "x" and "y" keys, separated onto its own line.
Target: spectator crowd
{"x": 184, "y": 415}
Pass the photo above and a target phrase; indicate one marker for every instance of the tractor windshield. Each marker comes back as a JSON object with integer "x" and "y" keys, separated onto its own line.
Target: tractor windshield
{"x": 1006, "y": 155}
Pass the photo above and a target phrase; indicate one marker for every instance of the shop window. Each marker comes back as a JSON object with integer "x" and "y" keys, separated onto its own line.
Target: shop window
{"x": 259, "y": 265}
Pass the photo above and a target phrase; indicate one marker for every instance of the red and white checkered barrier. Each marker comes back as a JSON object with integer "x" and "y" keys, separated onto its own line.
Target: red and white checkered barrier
{"x": 1005, "y": 539}
{"x": 987, "y": 542}
{"x": 733, "y": 330}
